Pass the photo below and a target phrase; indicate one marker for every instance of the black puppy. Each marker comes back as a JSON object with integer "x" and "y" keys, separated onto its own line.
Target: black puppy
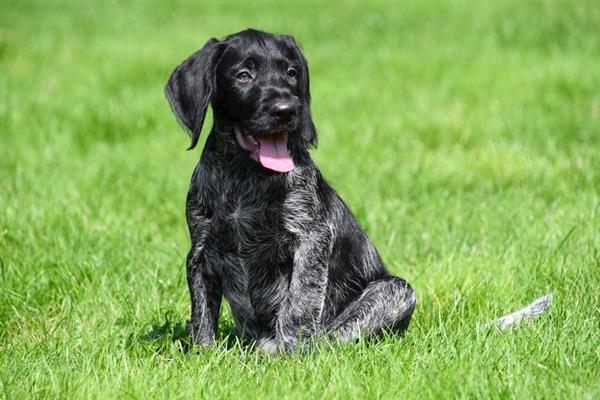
{"x": 267, "y": 231}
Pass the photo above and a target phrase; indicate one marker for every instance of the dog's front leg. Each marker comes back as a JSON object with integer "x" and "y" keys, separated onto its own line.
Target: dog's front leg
{"x": 205, "y": 291}
{"x": 300, "y": 315}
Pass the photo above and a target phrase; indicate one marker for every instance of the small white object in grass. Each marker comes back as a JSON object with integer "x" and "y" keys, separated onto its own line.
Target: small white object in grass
{"x": 534, "y": 309}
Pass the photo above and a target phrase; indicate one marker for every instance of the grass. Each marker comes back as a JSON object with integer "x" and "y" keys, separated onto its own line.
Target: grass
{"x": 465, "y": 137}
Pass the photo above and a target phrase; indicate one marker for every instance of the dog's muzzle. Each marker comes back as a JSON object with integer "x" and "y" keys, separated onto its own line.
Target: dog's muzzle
{"x": 271, "y": 150}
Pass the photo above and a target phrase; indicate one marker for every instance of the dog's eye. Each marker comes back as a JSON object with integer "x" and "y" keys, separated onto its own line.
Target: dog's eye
{"x": 244, "y": 76}
{"x": 292, "y": 73}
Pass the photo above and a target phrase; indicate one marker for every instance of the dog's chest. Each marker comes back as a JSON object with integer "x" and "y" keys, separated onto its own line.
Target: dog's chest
{"x": 250, "y": 235}
{"x": 250, "y": 228}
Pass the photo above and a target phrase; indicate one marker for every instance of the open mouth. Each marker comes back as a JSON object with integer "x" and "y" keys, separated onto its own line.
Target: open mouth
{"x": 270, "y": 150}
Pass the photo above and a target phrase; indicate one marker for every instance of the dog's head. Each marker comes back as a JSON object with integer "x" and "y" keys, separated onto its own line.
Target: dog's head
{"x": 258, "y": 86}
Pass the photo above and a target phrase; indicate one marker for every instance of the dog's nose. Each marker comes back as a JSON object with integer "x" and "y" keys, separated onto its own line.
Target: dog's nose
{"x": 283, "y": 109}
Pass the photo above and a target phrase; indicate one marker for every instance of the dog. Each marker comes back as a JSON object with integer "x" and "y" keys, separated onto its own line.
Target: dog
{"x": 268, "y": 233}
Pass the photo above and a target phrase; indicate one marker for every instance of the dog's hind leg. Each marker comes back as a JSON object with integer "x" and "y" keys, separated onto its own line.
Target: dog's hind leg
{"x": 384, "y": 304}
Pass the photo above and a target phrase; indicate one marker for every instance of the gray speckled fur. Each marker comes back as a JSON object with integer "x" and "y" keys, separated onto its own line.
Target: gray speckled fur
{"x": 283, "y": 249}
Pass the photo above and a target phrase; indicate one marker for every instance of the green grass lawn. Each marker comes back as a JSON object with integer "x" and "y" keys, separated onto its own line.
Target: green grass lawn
{"x": 464, "y": 136}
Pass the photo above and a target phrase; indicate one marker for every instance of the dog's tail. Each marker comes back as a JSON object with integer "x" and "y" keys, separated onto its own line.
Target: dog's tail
{"x": 533, "y": 310}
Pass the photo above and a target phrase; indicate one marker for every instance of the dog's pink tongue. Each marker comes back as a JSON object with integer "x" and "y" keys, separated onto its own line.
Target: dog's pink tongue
{"x": 273, "y": 153}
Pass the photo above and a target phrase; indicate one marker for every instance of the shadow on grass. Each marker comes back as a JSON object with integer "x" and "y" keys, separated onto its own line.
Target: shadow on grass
{"x": 173, "y": 333}
{"x": 172, "y": 336}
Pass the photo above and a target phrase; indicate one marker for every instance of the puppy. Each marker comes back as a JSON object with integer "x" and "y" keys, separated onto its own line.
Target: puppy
{"x": 268, "y": 233}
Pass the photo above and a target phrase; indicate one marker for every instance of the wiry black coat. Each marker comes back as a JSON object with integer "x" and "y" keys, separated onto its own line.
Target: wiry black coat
{"x": 282, "y": 248}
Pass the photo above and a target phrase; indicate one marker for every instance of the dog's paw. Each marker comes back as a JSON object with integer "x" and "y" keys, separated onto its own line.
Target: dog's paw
{"x": 199, "y": 338}
{"x": 268, "y": 346}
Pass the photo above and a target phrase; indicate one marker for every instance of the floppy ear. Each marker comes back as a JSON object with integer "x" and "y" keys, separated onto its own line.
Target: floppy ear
{"x": 191, "y": 87}
{"x": 309, "y": 132}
